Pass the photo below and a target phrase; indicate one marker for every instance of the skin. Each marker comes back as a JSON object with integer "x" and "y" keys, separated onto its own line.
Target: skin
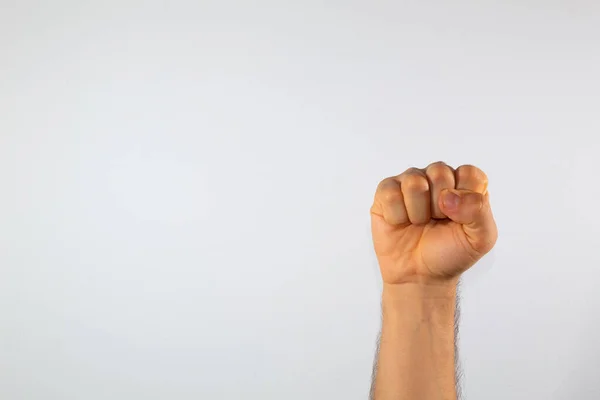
{"x": 424, "y": 241}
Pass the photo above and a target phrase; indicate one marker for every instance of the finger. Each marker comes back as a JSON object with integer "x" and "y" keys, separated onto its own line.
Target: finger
{"x": 417, "y": 199}
{"x": 472, "y": 210}
{"x": 469, "y": 177}
{"x": 440, "y": 176}
{"x": 389, "y": 202}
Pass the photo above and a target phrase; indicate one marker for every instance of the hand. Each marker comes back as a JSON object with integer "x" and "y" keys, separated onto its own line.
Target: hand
{"x": 430, "y": 225}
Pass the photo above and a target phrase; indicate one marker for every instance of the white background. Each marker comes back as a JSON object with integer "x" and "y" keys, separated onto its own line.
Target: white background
{"x": 185, "y": 191}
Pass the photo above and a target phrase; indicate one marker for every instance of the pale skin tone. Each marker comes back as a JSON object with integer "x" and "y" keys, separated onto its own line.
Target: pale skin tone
{"x": 424, "y": 241}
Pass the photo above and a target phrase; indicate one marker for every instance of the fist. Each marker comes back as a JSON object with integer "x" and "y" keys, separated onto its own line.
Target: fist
{"x": 430, "y": 225}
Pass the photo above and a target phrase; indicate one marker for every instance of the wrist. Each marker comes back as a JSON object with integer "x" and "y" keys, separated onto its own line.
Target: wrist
{"x": 422, "y": 289}
{"x": 421, "y": 297}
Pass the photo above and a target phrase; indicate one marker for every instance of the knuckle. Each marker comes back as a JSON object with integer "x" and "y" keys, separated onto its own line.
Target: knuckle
{"x": 416, "y": 182}
{"x": 437, "y": 172}
{"x": 412, "y": 171}
{"x": 437, "y": 164}
{"x": 471, "y": 172}
{"x": 386, "y": 183}
{"x": 390, "y": 196}
{"x": 388, "y": 190}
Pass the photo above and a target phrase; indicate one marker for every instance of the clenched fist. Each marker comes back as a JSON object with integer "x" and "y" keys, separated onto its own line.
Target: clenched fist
{"x": 430, "y": 225}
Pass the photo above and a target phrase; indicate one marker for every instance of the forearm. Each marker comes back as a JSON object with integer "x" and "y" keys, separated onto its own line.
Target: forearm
{"x": 417, "y": 350}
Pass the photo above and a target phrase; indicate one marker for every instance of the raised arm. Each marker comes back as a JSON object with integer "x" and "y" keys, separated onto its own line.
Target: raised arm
{"x": 429, "y": 226}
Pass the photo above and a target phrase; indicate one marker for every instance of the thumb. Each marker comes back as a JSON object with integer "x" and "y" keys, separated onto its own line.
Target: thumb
{"x": 472, "y": 210}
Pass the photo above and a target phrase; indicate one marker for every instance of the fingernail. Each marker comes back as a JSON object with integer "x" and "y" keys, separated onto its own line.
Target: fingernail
{"x": 451, "y": 200}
